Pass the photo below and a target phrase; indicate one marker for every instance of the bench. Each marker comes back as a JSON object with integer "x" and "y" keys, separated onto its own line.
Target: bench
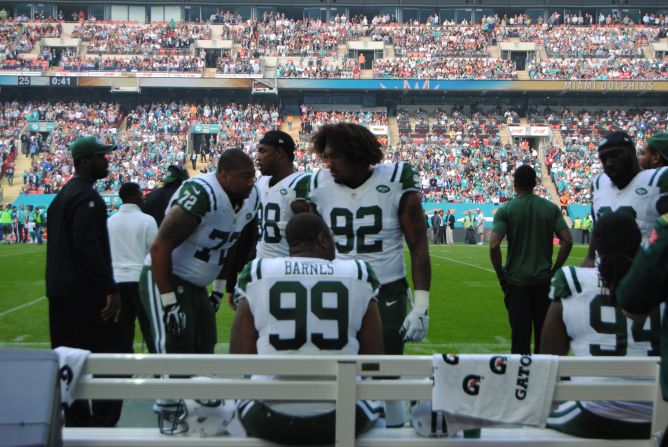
{"x": 339, "y": 381}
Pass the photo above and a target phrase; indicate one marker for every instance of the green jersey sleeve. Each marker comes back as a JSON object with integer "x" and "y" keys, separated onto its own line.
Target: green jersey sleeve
{"x": 194, "y": 199}
{"x": 244, "y": 278}
{"x": 559, "y": 289}
{"x": 408, "y": 179}
{"x": 500, "y": 223}
{"x": 302, "y": 187}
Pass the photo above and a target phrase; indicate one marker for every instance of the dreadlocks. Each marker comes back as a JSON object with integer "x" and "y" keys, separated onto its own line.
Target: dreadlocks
{"x": 355, "y": 142}
{"x": 617, "y": 239}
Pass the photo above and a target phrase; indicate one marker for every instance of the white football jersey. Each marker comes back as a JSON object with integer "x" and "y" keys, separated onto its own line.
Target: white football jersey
{"x": 275, "y": 211}
{"x": 307, "y": 305}
{"x": 365, "y": 220}
{"x": 597, "y": 327}
{"x": 200, "y": 258}
{"x": 638, "y": 198}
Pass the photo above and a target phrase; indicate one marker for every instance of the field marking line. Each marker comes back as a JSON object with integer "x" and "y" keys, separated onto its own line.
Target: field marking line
{"x": 456, "y": 261}
{"x": 9, "y": 255}
{"x": 22, "y": 306}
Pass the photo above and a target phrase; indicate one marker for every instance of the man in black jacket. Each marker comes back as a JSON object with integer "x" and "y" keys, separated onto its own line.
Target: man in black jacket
{"x": 157, "y": 201}
{"x": 83, "y": 300}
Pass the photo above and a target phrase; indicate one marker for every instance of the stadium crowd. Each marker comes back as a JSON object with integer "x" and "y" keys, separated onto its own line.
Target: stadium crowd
{"x": 141, "y": 39}
{"x": 599, "y": 69}
{"x": 452, "y": 68}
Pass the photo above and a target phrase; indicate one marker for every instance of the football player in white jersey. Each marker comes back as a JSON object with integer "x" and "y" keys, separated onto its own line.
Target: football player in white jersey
{"x": 282, "y": 192}
{"x": 308, "y": 303}
{"x": 624, "y": 187}
{"x": 205, "y": 219}
{"x": 585, "y": 317}
{"x": 371, "y": 208}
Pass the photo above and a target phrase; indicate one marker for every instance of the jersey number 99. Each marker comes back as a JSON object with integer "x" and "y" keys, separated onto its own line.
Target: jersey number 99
{"x": 298, "y": 314}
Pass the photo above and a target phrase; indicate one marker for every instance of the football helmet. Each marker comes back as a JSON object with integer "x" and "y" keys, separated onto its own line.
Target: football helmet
{"x": 195, "y": 417}
{"x": 428, "y": 423}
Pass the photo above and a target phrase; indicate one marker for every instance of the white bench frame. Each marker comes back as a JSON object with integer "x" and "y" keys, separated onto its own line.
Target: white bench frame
{"x": 339, "y": 381}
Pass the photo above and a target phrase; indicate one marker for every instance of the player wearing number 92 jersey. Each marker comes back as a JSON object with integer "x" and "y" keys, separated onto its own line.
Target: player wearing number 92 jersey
{"x": 585, "y": 318}
{"x": 370, "y": 208}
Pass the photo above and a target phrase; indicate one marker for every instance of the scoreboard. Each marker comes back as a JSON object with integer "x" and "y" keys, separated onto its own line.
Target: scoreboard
{"x": 39, "y": 81}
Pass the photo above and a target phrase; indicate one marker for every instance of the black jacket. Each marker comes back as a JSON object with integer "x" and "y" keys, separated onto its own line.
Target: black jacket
{"x": 157, "y": 201}
{"x": 78, "y": 257}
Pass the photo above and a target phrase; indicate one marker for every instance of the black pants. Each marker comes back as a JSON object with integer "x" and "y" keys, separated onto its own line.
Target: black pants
{"x": 470, "y": 238}
{"x": 527, "y": 306}
{"x": 585, "y": 236}
{"x": 74, "y": 321}
{"x": 131, "y": 309}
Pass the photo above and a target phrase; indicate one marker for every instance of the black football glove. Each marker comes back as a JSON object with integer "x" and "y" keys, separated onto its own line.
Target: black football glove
{"x": 174, "y": 319}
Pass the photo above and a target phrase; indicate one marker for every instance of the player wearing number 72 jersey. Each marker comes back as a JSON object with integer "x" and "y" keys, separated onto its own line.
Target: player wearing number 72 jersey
{"x": 585, "y": 317}
{"x": 207, "y": 214}
{"x": 308, "y": 303}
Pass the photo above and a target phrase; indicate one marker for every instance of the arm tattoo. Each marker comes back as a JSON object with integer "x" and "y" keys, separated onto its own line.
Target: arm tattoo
{"x": 177, "y": 226}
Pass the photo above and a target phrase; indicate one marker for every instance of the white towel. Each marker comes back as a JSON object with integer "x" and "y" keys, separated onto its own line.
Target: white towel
{"x": 71, "y": 362}
{"x": 481, "y": 390}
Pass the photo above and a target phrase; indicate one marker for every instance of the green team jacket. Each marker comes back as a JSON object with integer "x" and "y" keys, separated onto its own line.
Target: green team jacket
{"x": 645, "y": 286}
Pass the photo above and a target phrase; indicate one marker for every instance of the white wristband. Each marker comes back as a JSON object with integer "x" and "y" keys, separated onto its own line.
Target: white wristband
{"x": 220, "y": 286}
{"x": 168, "y": 299}
{"x": 421, "y": 299}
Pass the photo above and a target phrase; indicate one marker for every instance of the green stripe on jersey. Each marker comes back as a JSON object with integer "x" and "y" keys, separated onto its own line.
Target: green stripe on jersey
{"x": 394, "y": 173}
{"x": 315, "y": 179}
{"x": 258, "y": 271}
{"x": 359, "y": 269}
{"x": 578, "y": 288}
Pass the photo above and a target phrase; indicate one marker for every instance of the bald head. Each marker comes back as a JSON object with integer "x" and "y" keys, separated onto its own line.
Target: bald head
{"x": 308, "y": 235}
{"x": 234, "y": 160}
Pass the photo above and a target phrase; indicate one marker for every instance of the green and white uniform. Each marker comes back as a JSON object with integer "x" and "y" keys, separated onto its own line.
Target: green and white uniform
{"x": 275, "y": 211}
{"x": 305, "y": 306}
{"x": 197, "y": 262}
{"x": 638, "y": 198}
{"x": 365, "y": 223}
{"x": 597, "y": 327}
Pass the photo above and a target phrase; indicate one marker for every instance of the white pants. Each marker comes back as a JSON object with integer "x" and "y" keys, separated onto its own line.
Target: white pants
{"x": 449, "y": 236}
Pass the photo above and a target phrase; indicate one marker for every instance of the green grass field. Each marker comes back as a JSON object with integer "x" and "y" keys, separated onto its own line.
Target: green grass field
{"x": 467, "y": 312}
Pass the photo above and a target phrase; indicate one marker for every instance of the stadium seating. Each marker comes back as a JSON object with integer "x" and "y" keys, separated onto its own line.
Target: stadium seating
{"x": 339, "y": 380}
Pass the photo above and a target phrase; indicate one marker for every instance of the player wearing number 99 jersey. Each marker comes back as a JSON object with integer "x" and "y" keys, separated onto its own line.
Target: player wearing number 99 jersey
{"x": 585, "y": 317}
{"x": 308, "y": 303}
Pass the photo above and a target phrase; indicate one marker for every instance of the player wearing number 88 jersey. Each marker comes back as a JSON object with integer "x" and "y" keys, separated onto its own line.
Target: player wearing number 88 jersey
{"x": 308, "y": 303}
{"x": 282, "y": 192}
{"x": 585, "y": 317}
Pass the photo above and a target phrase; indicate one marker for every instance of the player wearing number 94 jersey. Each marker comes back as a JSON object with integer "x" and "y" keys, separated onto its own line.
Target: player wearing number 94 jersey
{"x": 308, "y": 303}
{"x": 585, "y": 317}
{"x": 371, "y": 208}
